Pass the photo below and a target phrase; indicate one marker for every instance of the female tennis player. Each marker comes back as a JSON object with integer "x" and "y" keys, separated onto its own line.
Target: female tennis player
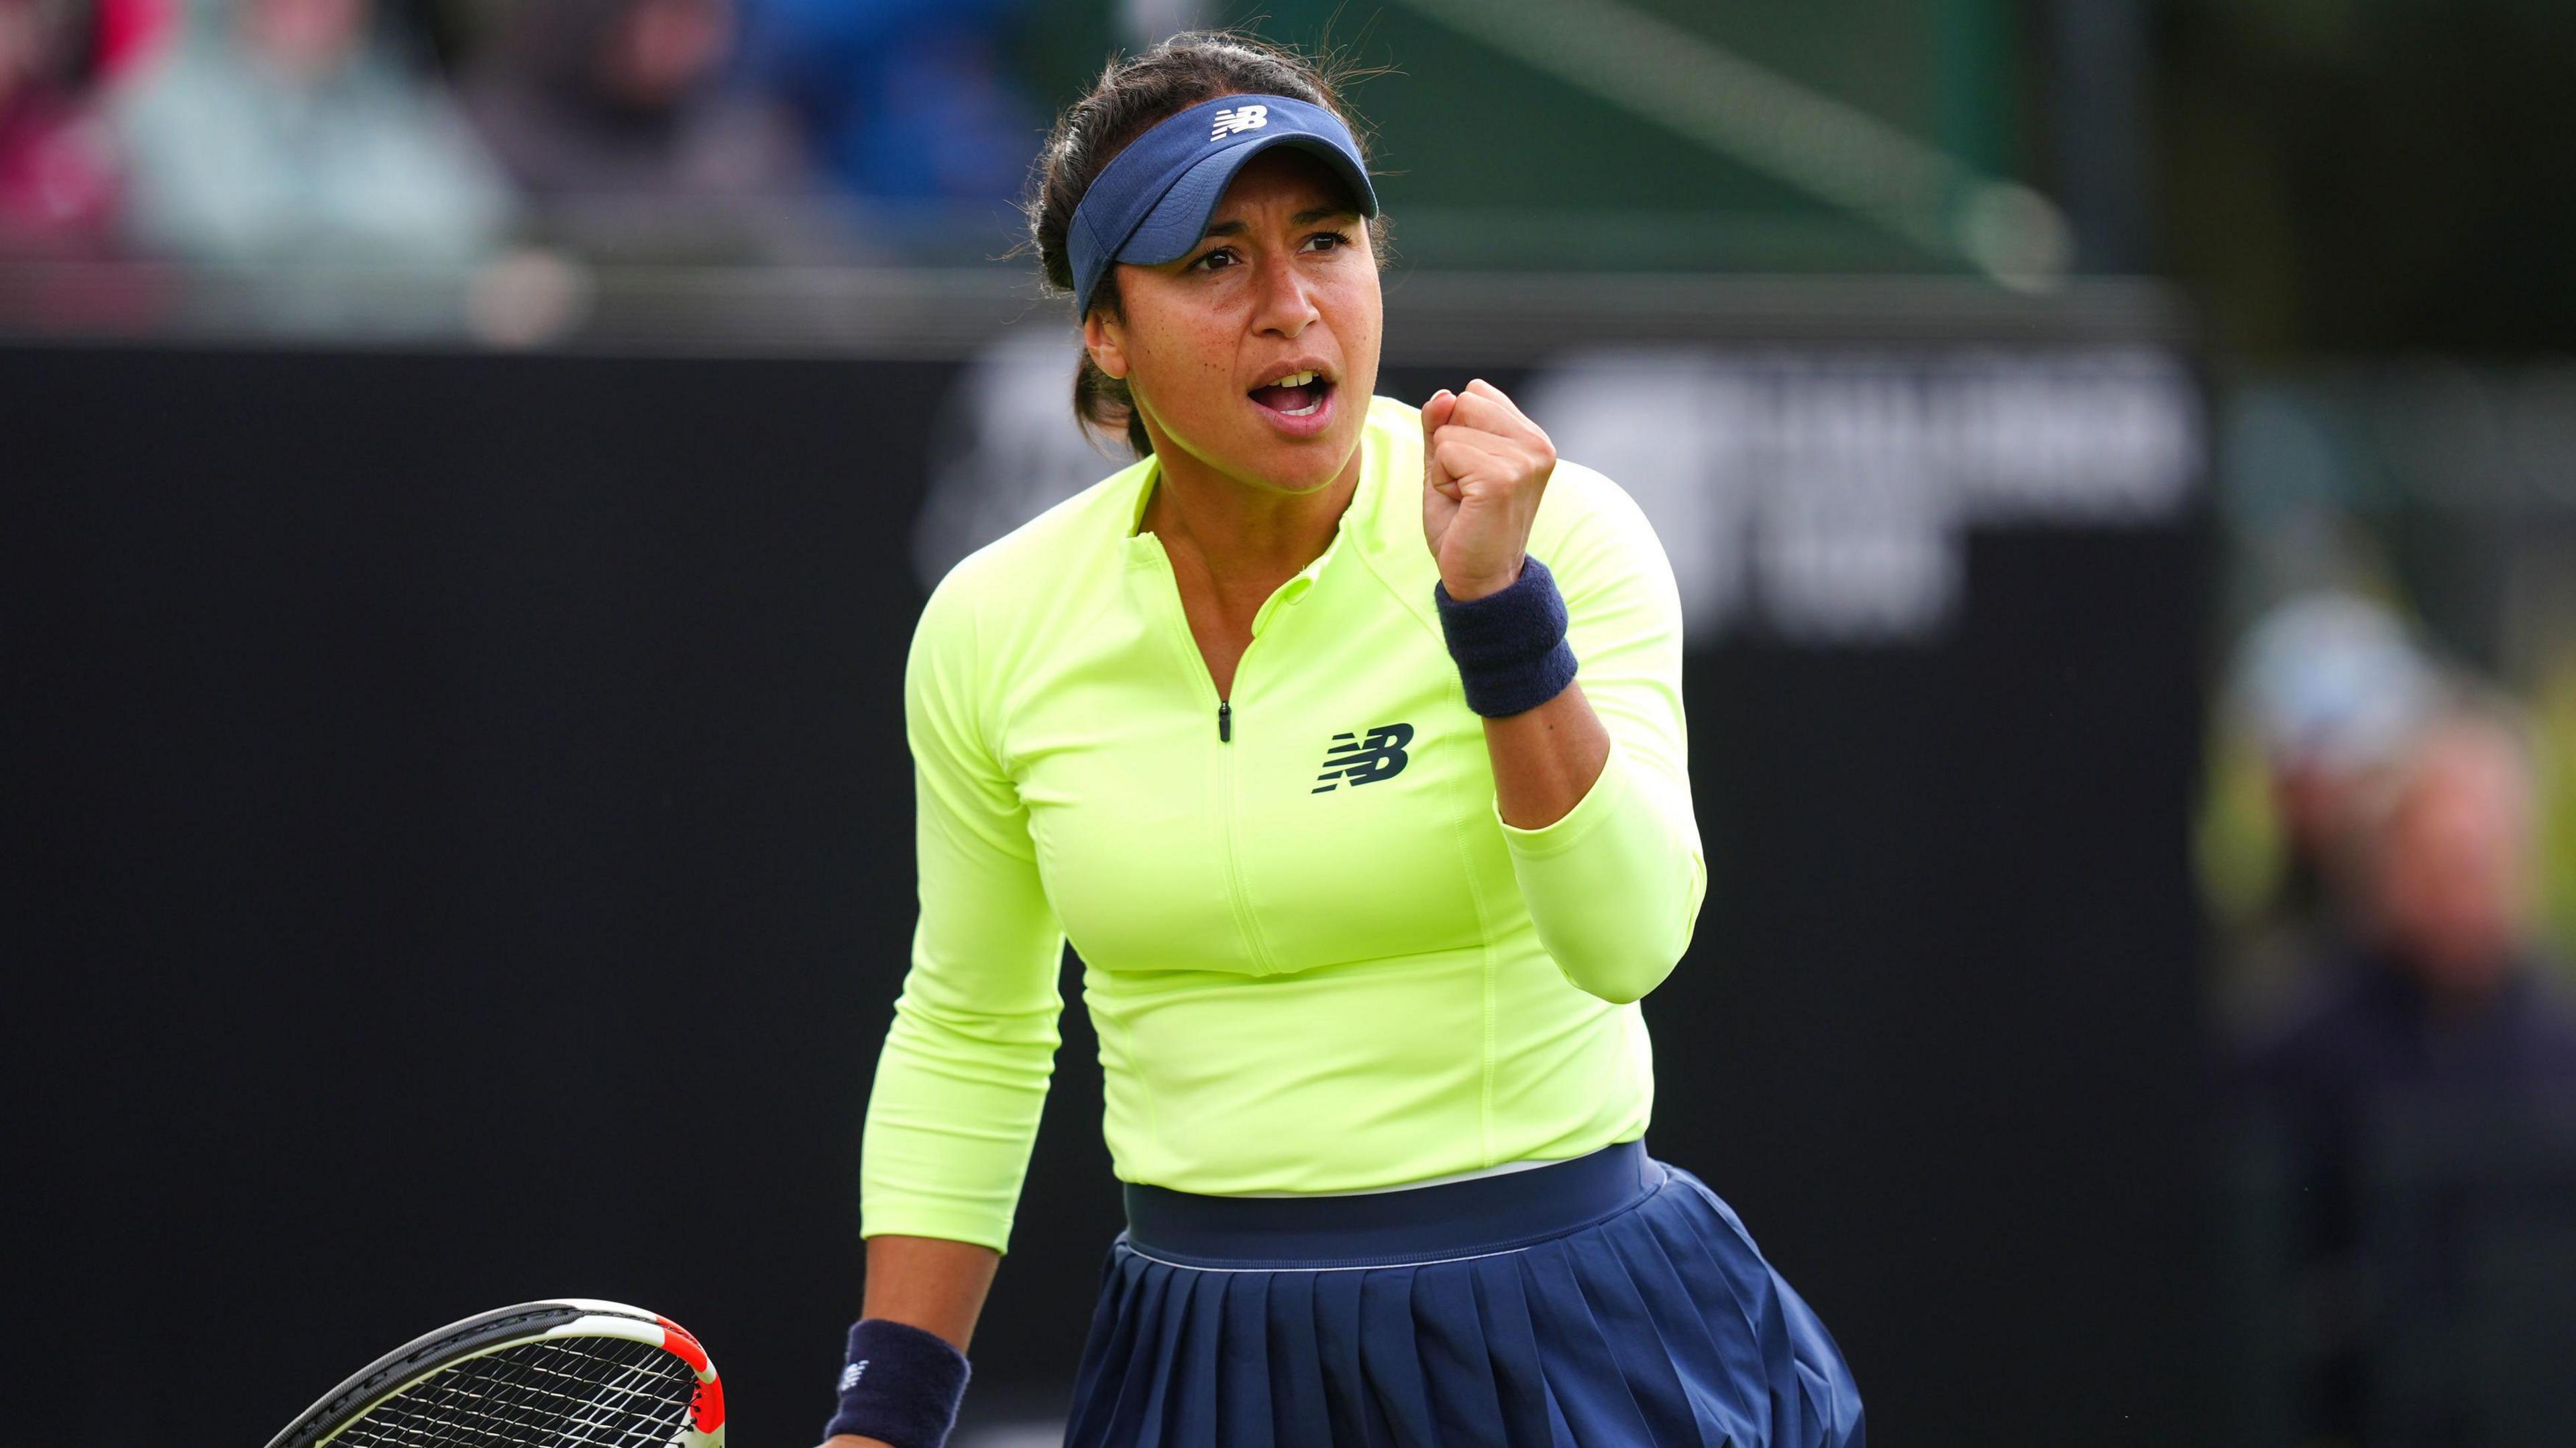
{"x": 1281, "y": 726}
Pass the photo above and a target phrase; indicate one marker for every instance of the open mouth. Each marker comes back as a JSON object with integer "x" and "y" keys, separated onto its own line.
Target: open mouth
{"x": 1299, "y": 394}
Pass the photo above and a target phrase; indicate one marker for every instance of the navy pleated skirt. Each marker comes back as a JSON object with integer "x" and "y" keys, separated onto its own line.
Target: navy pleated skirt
{"x": 1610, "y": 1301}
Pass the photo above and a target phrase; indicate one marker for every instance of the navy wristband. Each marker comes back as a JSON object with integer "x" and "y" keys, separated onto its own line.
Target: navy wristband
{"x": 1510, "y": 644}
{"x": 902, "y": 1385}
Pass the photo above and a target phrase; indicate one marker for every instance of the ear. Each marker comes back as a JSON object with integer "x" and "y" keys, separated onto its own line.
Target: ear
{"x": 1102, "y": 338}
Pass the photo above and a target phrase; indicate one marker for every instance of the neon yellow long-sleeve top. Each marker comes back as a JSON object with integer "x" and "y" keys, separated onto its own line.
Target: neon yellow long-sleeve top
{"x": 1317, "y": 958}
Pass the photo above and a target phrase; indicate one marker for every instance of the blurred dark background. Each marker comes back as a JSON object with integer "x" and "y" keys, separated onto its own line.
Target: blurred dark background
{"x": 468, "y": 471}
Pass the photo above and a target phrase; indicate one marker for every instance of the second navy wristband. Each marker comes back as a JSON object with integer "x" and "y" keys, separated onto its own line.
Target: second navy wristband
{"x": 1510, "y": 644}
{"x": 901, "y": 1385}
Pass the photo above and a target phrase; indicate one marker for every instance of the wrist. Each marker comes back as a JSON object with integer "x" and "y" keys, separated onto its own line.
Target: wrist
{"x": 1509, "y": 644}
{"x": 1470, "y": 589}
{"x": 901, "y": 1386}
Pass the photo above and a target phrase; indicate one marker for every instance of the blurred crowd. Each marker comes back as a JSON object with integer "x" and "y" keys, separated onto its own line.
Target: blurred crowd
{"x": 2405, "y": 1064}
{"x": 436, "y": 132}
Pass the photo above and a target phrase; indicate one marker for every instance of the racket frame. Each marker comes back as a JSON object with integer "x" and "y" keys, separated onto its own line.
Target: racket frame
{"x": 486, "y": 1333}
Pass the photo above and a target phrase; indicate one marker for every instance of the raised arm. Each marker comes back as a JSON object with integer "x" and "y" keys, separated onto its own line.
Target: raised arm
{"x": 1592, "y": 785}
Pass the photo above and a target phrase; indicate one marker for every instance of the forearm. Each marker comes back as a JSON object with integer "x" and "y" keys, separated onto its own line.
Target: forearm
{"x": 1546, "y": 759}
{"x": 1602, "y": 845}
{"x": 1614, "y": 886}
{"x": 930, "y": 1283}
{"x": 1613, "y": 894}
{"x": 1600, "y": 833}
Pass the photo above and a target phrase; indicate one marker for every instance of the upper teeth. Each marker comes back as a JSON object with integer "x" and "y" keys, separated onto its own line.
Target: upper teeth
{"x": 1295, "y": 379}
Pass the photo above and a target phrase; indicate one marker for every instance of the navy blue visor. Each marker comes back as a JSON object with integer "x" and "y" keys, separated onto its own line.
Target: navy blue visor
{"x": 1152, "y": 202}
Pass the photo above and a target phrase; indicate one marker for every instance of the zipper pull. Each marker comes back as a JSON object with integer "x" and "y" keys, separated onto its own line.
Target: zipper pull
{"x": 1224, "y": 722}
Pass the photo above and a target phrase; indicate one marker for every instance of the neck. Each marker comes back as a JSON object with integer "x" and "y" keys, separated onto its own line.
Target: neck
{"x": 1243, "y": 533}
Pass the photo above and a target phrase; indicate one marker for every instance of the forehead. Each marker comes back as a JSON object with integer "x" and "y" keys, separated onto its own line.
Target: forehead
{"x": 1284, "y": 178}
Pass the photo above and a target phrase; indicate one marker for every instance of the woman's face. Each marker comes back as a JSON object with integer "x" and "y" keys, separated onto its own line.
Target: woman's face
{"x": 1282, "y": 285}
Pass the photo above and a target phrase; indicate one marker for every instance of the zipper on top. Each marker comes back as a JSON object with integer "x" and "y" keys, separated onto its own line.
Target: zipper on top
{"x": 1176, "y": 620}
{"x": 1230, "y": 808}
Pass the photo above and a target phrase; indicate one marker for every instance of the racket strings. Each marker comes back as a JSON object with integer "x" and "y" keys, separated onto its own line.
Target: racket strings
{"x": 559, "y": 1393}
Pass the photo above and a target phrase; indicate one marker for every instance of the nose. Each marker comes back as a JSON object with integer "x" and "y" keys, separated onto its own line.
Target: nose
{"x": 1282, "y": 303}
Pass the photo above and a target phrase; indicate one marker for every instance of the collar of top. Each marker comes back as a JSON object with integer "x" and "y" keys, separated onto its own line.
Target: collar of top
{"x": 1151, "y": 203}
{"x": 1381, "y": 522}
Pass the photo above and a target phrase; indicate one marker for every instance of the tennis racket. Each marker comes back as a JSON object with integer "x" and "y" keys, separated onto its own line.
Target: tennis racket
{"x": 569, "y": 1373}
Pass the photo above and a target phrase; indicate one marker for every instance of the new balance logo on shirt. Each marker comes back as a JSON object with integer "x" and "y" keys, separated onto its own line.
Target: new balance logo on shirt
{"x": 1358, "y": 761}
{"x": 1241, "y": 118}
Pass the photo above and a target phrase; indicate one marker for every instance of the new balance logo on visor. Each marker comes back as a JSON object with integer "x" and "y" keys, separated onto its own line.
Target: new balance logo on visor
{"x": 1241, "y": 118}
{"x": 1358, "y": 761}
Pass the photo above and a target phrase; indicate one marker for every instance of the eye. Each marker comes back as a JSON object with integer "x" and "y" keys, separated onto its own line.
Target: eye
{"x": 1333, "y": 240}
{"x": 1222, "y": 256}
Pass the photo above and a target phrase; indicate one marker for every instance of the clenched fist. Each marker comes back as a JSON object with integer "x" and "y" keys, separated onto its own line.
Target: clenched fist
{"x": 1484, "y": 467}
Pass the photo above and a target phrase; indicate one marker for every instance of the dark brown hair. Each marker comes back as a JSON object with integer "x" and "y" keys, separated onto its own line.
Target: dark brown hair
{"x": 1132, "y": 94}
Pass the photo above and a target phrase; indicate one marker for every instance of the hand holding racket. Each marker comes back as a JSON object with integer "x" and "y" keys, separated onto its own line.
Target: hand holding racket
{"x": 567, "y": 1373}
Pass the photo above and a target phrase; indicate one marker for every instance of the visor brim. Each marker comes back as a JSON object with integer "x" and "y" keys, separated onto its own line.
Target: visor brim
{"x": 1179, "y": 221}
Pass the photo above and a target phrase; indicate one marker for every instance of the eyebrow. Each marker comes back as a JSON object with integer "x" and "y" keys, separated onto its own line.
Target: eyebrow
{"x": 1307, "y": 217}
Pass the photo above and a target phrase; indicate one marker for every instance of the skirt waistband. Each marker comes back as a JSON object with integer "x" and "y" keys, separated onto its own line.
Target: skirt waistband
{"x": 1472, "y": 1218}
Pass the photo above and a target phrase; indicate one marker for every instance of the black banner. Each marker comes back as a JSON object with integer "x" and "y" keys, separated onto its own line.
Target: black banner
{"x": 461, "y": 827}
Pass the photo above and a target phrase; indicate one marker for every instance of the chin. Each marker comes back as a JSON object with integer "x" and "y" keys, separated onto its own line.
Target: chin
{"x": 1261, "y": 455}
{"x": 1302, "y": 465}
{"x": 1308, "y": 471}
